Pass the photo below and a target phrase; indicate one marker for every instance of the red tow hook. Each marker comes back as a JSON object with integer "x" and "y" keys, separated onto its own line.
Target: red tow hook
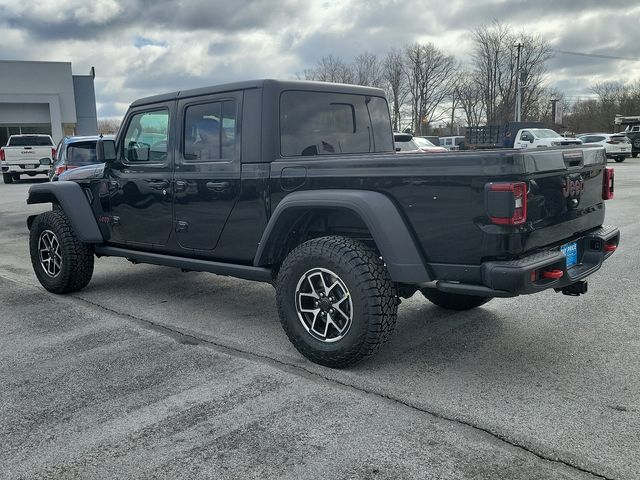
{"x": 610, "y": 247}
{"x": 552, "y": 274}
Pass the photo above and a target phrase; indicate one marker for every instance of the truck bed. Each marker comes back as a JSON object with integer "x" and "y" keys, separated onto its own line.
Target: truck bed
{"x": 443, "y": 196}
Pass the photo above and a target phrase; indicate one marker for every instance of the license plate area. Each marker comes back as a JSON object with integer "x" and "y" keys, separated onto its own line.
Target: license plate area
{"x": 570, "y": 251}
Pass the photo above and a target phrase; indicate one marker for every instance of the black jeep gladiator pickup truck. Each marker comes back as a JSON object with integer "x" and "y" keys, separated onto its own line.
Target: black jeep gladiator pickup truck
{"x": 298, "y": 184}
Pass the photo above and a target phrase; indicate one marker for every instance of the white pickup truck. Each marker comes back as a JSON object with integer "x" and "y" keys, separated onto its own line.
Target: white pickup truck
{"x": 31, "y": 154}
{"x": 541, "y": 137}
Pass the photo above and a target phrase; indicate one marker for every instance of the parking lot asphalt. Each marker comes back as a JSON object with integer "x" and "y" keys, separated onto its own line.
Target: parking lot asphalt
{"x": 151, "y": 372}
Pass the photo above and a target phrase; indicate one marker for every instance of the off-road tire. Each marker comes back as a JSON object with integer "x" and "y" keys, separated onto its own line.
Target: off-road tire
{"x": 7, "y": 178}
{"x": 373, "y": 296}
{"x": 453, "y": 301}
{"x": 77, "y": 258}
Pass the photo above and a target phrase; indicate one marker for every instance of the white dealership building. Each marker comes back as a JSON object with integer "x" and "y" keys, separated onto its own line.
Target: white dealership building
{"x": 45, "y": 97}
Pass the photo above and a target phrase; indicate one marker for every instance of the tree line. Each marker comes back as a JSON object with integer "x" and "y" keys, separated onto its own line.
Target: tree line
{"x": 426, "y": 87}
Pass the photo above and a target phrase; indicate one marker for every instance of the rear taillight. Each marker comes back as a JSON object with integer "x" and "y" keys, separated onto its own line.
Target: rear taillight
{"x": 607, "y": 183}
{"x": 53, "y": 153}
{"x": 1, "y": 155}
{"x": 507, "y": 203}
{"x": 60, "y": 169}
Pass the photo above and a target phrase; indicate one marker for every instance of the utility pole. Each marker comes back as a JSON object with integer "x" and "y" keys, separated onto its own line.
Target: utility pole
{"x": 453, "y": 111}
{"x": 554, "y": 101}
{"x": 519, "y": 46}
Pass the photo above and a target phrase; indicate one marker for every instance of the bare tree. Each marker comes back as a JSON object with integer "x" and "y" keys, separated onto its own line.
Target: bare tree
{"x": 108, "y": 126}
{"x": 468, "y": 91}
{"x": 495, "y": 62}
{"x": 367, "y": 70}
{"x": 430, "y": 75}
{"x": 330, "y": 69}
{"x": 396, "y": 83}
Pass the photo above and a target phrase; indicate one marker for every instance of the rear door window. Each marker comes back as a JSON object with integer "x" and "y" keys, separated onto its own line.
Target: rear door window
{"x": 314, "y": 123}
{"x": 210, "y": 131}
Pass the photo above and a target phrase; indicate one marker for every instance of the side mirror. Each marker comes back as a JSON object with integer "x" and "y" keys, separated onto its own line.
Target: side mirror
{"x": 531, "y": 140}
{"x": 105, "y": 151}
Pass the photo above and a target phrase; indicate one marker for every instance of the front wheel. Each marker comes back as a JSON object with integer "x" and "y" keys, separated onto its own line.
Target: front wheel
{"x": 453, "y": 301}
{"x": 619, "y": 159}
{"x": 336, "y": 301}
{"x": 7, "y": 178}
{"x": 60, "y": 261}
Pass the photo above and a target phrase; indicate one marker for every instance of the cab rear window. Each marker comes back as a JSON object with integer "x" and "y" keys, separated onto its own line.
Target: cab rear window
{"x": 30, "y": 141}
{"x": 315, "y": 123}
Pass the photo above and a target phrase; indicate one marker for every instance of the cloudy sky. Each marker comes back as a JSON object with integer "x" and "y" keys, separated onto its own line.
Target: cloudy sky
{"x": 144, "y": 47}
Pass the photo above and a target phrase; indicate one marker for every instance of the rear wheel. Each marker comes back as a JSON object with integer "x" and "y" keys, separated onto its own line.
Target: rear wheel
{"x": 619, "y": 159}
{"x": 7, "y": 178}
{"x": 336, "y": 301}
{"x": 634, "y": 154}
{"x": 453, "y": 301}
{"x": 61, "y": 262}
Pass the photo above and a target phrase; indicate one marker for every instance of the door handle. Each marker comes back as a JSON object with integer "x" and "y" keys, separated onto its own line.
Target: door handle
{"x": 180, "y": 185}
{"x": 217, "y": 186}
{"x": 160, "y": 185}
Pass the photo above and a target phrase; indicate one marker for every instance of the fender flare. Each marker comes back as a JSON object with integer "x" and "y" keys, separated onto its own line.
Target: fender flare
{"x": 378, "y": 212}
{"x": 73, "y": 202}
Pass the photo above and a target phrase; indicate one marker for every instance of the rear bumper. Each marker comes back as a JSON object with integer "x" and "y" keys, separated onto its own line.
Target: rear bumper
{"x": 24, "y": 168}
{"x": 509, "y": 278}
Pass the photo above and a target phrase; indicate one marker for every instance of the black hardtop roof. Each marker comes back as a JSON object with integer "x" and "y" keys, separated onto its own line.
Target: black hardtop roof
{"x": 278, "y": 85}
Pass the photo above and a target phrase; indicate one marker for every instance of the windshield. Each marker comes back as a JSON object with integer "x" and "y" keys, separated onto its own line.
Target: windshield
{"x": 544, "y": 133}
{"x": 423, "y": 142}
{"x": 30, "y": 141}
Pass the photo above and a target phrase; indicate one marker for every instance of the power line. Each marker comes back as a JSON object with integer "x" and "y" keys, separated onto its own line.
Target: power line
{"x": 596, "y": 55}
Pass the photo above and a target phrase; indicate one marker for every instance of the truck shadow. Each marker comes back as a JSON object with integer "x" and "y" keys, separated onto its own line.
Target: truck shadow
{"x": 244, "y": 313}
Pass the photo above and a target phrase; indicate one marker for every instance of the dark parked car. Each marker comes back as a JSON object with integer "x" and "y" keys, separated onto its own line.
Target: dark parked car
{"x": 298, "y": 184}
{"x": 73, "y": 152}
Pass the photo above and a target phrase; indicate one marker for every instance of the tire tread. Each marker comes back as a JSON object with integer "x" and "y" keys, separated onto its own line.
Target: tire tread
{"x": 372, "y": 278}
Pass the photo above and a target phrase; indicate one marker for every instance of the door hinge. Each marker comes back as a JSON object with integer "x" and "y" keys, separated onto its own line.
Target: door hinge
{"x": 182, "y": 226}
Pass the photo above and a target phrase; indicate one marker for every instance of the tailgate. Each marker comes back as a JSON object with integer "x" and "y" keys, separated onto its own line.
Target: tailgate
{"x": 28, "y": 155}
{"x": 565, "y": 194}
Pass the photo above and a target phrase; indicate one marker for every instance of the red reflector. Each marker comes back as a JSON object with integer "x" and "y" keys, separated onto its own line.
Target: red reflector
{"x": 554, "y": 274}
{"x": 610, "y": 247}
{"x": 607, "y": 183}
{"x": 519, "y": 191}
{"x": 60, "y": 169}
{"x": 53, "y": 153}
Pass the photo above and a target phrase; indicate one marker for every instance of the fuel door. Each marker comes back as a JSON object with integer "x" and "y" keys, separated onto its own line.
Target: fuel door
{"x": 292, "y": 178}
